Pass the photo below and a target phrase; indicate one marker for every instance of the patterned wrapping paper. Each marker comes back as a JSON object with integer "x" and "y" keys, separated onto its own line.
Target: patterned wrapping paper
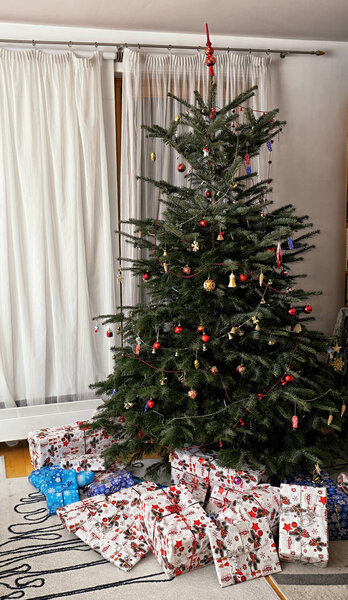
{"x": 260, "y": 501}
{"x": 111, "y": 483}
{"x": 303, "y": 528}
{"x": 83, "y": 462}
{"x": 342, "y": 482}
{"x": 74, "y": 515}
{"x": 60, "y": 490}
{"x": 204, "y": 466}
{"x": 337, "y": 502}
{"x": 176, "y": 527}
{"x": 243, "y": 548}
{"x": 50, "y": 446}
{"x": 194, "y": 484}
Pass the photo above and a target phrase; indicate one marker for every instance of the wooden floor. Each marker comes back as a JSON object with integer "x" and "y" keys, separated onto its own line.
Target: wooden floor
{"x": 17, "y": 459}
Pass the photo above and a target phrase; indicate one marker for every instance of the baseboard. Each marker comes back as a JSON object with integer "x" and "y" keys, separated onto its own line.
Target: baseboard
{"x": 15, "y": 423}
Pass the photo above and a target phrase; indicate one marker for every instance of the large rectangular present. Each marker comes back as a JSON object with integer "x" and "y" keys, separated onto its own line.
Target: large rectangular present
{"x": 111, "y": 483}
{"x": 260, "y": 501}
{"x": 205, "y": 467}
{"x": 303, "y": 531}
{"x": 74, "y": 515}
{"x": 342, "y": 482}
{"x": 243, "y": 548}
{"x": 50, "y": 446}
{"x": 337, "y": 501}
{"x": 83, "y": 462}
{"x": 176, "y": 527}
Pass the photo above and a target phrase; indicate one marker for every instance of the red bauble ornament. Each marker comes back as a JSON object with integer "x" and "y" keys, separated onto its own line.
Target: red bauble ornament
{"x": 292, "y": 311}
{"x": 109, "y": 333}
{"x": 156, "y": 346}
{"x": 178, "y": 329}
{"x": 146, "y": 276}
{"x": 150, "y": 403}
{"x": 212, "y": 114}
{"x": 203, "y": 223}
{"x": 210, "y": 61}
{"x": 205, "y": 338}
{"x": 139, "y": 434}
{"x": 308, "y": 309}
{"x": 208, "y": 194}
{"x": 186, "y": 270}
{"x": 240, "y": 369}
{"x": 122, "y": 419}
{"x": 181, "y": 167}
{"x": 243, "y": 277}
{"x": 260, "y": 396}
{"x": 214, "y": 370}
{"x": 192, "y": 394}
{"x": 200, "y": 327}
{"x": 294, "y": 422}
{"x": 289, "y": 378}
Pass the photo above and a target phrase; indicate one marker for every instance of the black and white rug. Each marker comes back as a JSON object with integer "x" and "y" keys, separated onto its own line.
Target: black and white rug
{"x": 40, "y": 560}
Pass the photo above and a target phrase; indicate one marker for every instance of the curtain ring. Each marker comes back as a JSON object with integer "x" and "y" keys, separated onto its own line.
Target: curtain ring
{"x": 169, "y": 48}
{"x": 70, "y": 44}
{"x": 138, "y": 46}
{"x": 249, "y": 51}
{"x": 268, "y": 52}
{"x": 96, "y": 44}
{"x": 33, "y": 43}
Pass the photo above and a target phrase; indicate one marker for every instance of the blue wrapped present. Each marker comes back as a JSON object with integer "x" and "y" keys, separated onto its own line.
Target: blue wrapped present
{"x": 57, "y": 484}
{"x": 337, "y": 501}
{"x": 111, "y": 483}
{"x": 84, "y": 478}
{"x": 39, "y": 477}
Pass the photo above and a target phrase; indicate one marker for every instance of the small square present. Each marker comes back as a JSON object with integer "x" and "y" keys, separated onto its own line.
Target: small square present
{"x": 176, "y": 528}
{"x": 260, "y": 501}
{"x": 243, "y": 548}
{"x": 49, "y": 446}
{"x": 74, "y": 515}
{"x": 337, "y": 501}
{"x": 303, "y": 530}
{"x": 191, "y": 460}
{"x": 60, "y": 490}
{"x": 111, "y": 483}
{"x": 196, "y": 485}
{"x": 342, "y": 482}
{"x": 83, "y": 462}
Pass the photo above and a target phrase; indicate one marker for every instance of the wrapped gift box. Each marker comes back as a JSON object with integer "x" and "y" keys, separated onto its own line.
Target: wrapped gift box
{"x": 242, "y": 479}
{"x": 196, "y": 485}
{"x": 51, "y": 445}
{"x": 83, "y": 462}
{"x": 74, "y": 515}
{"x": 243, "y": 548}
{"x": 337, "y": 502}
{"x": 260, "y": 501}
{"x": 60, "y": 489}
{"x": 111, "y": 483}
{"x": 342, "y": 482}
{"x": 303, "y": 531}
{"x": 176, "y": 528}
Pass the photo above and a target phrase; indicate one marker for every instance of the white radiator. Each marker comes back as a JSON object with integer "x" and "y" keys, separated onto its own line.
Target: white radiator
{"x": 15, "y": 423}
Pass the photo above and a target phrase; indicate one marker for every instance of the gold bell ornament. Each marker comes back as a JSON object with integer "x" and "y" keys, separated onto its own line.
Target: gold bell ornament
{"x": 261, "y": 278}
{"x": 165, "y": 267}
{"x": 232, "y": 281}
{"x": 153, "y": 156}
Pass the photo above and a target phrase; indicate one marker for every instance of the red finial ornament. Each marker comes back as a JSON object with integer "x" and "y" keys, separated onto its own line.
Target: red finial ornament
{"x": 209, "y": 50}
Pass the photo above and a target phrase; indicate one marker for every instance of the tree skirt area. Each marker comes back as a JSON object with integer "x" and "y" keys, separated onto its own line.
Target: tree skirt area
{"x": 40, "y": 560}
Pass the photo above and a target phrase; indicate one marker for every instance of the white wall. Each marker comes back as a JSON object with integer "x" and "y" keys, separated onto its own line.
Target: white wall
{"x": 309, "y": 160}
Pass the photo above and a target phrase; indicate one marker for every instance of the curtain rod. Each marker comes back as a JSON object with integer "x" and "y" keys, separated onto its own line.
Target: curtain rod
{"x": 120, "y": 46}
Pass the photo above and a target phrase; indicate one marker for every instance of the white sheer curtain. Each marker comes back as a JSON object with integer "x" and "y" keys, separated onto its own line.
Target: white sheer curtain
{"x": 147, "y": 78}
{"x": 56, "y": 259}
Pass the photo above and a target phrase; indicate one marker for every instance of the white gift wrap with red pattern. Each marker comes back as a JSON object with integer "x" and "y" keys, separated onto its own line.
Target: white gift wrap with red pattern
{"x": 194, "y": 484}
{"x": 191, "y": 460}
{"x": 243, "y": 548}
{"x": 51, "y": 445}
{"x": 83, "y": 462}
{"x": 303, "y": 527}
{"x": 242, "y": 479}
{"x": 74, "y": 515}
{"x": 176, "y": 528}
{"x": 260, "y": 501}
{"x": 342, "y": 482}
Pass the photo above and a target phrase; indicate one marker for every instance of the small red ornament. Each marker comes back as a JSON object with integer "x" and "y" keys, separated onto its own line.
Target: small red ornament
{"x": 109, "y": 333}
{"x": 146, "y": 276}
{"x": 308, "y": 309}
{"x": 122, "y": 419}
{"x": 210, "y": 61}
{"x": 294, "y": 422}
{"x": 283, "y": 382}
{"x": 203, "y": 223}
{"x": 96, "y": 329}
{"x": 243, "y": 277}
{"x": 150, "y": 403}
{"x": 289, "y": 378}
{"x": 139, "y": 434}
{"x": 186, "y": 270}
{"x": 292, "y": 311}
{"x": 208, "y": 194}
{"x": 192, "y": 394}
{"x": 206, "y": 148}
{"x": 156, "y": 346}
{"x": 214, "y": 370}
{"x": 240, "y": 369}
{"x": 220, "y": 444}
{"x": 205, "y": 338}
{"x": 284, "y": 273}
{"x": 212, "y": 114}
{"x": 260, "y": 396}
{"x": 178, "y": 329}
{"x": 200, "y": 327}
{"x": 181, "y": 167}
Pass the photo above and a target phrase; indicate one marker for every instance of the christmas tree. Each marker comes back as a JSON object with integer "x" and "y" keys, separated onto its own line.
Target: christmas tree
{"x": 221, "y": 356}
